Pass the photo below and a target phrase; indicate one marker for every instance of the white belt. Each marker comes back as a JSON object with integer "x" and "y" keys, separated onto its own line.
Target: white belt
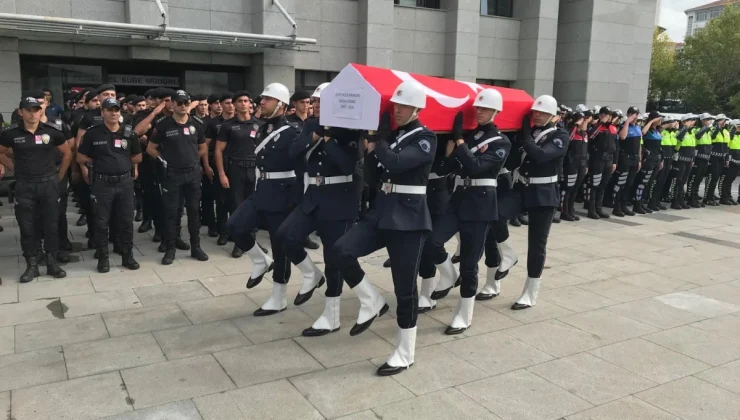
{"x": 404, "y": 189}
{"x": 539, "y": 180}
{"x": 276, "y": 175}
{"x": 433, "y": 176}
{"x": 467, "y": 182}
{"x": 328, "y": 180}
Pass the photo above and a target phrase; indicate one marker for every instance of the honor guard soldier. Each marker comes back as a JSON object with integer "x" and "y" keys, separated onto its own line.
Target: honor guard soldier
{"x": 272, "y": 200}
{"x": 113, "y": 150}
{"x": 478, "y": 157}
{"x": 328, "y": 206}
{"x": 34, "y": 145}
{"x": 399, "y": 221}
{"x": 234, "y": 154}
{"x": 178, "y": 143}
{"x": 536, "y": 189}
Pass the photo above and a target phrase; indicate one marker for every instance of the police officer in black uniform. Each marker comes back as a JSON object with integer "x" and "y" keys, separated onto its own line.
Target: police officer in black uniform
{"x": 209, "y": 184}
{"x": 602, "y": 158}
{"x": 272, "y": 200}
{"x": 652, "y": 160}
{"x": 399, "y": 222}
{"x": 478, "y": 157}
{"x": 113, "y": 150}
{"x": 179, "y": 144}
{"x": 33, "y": 145}
{"x": 628, "y": 164}
{"x": 223, "y": 209}
{"x": 536, "y": 188}
{"x": 234, "y": 154}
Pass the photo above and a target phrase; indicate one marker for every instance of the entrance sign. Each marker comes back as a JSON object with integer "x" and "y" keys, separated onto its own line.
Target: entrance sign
{"x": 140, "y": 80}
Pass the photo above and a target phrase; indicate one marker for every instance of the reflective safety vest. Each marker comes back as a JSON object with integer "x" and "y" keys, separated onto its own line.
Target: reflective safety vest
{"x": 668, "y": 138}
{"x": 735, "y": 142}
{"x": 705, "y": 139}
{"x": 689, "y": 140}
{"x": 723, "y": 136}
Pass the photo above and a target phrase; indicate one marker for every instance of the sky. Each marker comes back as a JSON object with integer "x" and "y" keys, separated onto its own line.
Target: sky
{"x": 673, "y": 18}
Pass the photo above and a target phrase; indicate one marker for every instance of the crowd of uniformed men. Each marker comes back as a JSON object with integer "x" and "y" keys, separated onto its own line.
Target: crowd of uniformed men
{"x": 237, "y": 164}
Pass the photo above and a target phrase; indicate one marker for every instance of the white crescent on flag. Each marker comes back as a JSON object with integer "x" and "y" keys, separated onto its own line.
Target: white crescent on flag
{"x": 475, "y": 87}
{"x": 444, "y": 100}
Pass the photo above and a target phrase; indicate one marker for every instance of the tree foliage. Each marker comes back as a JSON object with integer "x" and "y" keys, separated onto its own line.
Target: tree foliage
{"x": 707, "y": 69}
{"x": 663, "y": 83}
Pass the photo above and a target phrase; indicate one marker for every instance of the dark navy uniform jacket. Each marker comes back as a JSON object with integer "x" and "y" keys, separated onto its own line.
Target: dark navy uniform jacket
{"x": 543, "y": 159}
{"x": 438, "y": 191}
{"x": 324, "y": 159}
{"x": 408, "y": 163}
{"x": 275, "y": 195}
{"x": 478, "y": 203}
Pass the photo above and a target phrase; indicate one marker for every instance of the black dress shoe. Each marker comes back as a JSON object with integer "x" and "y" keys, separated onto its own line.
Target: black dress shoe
{"x": 222, "y": 239}
{"x": 181, "y": 245}
{"x": 236, "y": 252}
{"x": 454, "y": 331}
{"x": 198, "y": 254}
{"x": 300, "y": 299}
{"x": 485, "y": 296}
{"x": 515, "y": 222}
{"x": 387, "y": 370}
{"x": 253, "y": 282}
{"x": 426, "y": 309}
{"x": 311, "y": 332}
{"x": 524, "y": 219}
{"x": 360, "y": 328}
{"x": 262, "y": 248}
{"x": 455, "y": 259}
{"x": 157, "y": 237}
{"x": 310, "y": 244}
{"x": 145, "y": 226}
{"x": 519, "y": 306}
{"x": 32, "y": 271}
{"x": 387, "y": 263}
{"x": 567, "y": 217}
{"x": 169, "y": 257}
{"x": 439, "y": 294}
{"x": 82, "y": 221}
{"x": 103, "y": 265}
{"x": 267, "y": 312}
{"x": 138, "y": 217}
{"x": 129, "y": 262}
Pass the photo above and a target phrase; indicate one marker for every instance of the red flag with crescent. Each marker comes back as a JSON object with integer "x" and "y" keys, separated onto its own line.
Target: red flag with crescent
{"x": 360, "y": 94}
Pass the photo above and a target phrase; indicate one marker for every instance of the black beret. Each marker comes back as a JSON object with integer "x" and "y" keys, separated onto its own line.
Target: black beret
{"x": 148, "y": 93}
{"x": 161, "y": 93}
{"x": 105, "y": 87}
{"x": 227, "y": 96}
{"x": 136, "y": 99}
{"x": 91, "y": 94}
{"x": 239, "y": 94}
{"x": 213, "y": 98}
{"x": 300, "y": 95}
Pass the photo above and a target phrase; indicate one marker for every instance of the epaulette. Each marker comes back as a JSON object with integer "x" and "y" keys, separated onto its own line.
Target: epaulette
{"x": 294, "y": 125}
{"x": 10, "y": 127}
{"x": 159, "y": 120}
{"x": 196, "y": 118}
{"x": 50, "y": 125}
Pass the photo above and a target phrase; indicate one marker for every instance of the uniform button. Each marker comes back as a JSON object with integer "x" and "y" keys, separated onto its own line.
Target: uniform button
{"x": 262, "y": 157}
{"x": 319, "y": 163}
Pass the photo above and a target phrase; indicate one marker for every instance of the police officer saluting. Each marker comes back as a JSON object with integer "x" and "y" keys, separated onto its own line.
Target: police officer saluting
{"x": 34, "y": 145}
{"x": 178, "y": 143}
{"x": 536, "y": 188}
{"x": 113, "y": 150}
{"x": 234, "y": 154}
{"x": 399, "y": 222}
{"x": 479, "y": 156}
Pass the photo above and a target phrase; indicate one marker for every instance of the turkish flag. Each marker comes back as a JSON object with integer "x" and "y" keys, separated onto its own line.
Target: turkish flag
{"x": 360, "y": 94}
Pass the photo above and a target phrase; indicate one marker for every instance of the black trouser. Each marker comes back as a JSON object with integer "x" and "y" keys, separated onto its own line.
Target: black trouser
{"x": 62, "y": 226}
{"x": 221, "y": 196}
{"x": 179, "y": 185}
{"x": 472, "y": 243}
{"x": 139, "y": 194}
{"x": 716, "y": 165}
{"x": 498, "y": 231}
{"x": 404, "y": 249}
{"x": 37, "y": 199}
{"x": 427, "y": 269}
{"x": 726, "y": 180}
{"x": 244, "y": 221}
{"x": 110, "y": 195}
{"x": 293, "y": 233}
{"x": 656, "y": 189}
{"x": 599, "y": 172}
{"x": 682, "y": 170}
{"x": 696, "y": 176}
{"x": 151, "y": 200}
{"x": 208, "y": 200}
{"x": 624, "y": 177}
{"x": 646, "y": 176}
{"x": 571, "y": 180}
{"x": 83, "y": 195}
{"x": 540, "y": 220}
{"x": 241, "y": 184}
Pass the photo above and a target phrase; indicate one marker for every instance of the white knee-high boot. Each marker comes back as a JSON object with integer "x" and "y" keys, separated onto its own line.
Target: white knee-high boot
{"x": 403, "y": 356}
{"x": 529, "y": 294}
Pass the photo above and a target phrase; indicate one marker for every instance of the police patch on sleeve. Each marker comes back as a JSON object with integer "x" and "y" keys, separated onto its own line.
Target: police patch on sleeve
{"x": 500, "y": 153}
{"x": 558, "y": 143}
{"x": 425, "y": 145}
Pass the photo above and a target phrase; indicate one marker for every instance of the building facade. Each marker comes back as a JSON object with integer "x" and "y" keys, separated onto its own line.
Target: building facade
{"x": 582, "y": 51}
{"x": 698, "y": 17}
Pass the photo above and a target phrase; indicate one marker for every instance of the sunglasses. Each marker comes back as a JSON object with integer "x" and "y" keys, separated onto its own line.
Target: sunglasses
{"x": 182, "y": 103}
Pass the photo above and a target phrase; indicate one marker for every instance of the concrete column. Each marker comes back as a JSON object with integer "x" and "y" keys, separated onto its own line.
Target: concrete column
{"x": 271, "y": 66}
{"x": 375, "y": 33}
{"x": 461, "y": 39}
{"x": 573, "y": 52}
{"x": 537, "y": 42}
{"x": 10, "y": 76}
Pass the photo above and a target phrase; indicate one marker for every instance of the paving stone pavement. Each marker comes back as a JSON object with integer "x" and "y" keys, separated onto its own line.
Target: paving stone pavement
{"x": 638, "y": 318}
